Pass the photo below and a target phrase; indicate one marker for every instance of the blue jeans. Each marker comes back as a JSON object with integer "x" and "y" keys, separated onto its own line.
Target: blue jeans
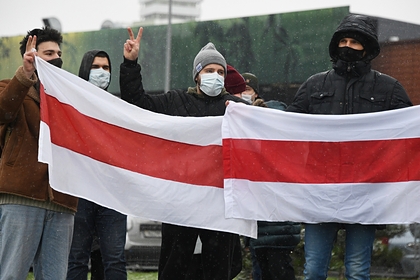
{"x": 34, "y": 236}
{"x": 319, "y": 241}
{"x": 110, "y": 227}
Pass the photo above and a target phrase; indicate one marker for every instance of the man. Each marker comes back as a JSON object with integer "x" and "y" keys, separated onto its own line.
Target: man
{"x": 92, "y": 219}
{"x": 250, "y": 94}
{"x": 351, "y": 87}
{"x": 270, "y": 252}
{"x": 206, "y": 98}
{"x": 36, "y": 222}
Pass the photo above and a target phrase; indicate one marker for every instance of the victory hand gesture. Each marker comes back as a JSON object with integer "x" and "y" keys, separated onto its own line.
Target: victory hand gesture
{"x": 29, "y": 57}
{"x": 132, "y": 45}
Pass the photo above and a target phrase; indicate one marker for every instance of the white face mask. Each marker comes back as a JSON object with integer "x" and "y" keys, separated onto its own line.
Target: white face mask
{"x": 99, "y": 77}
{"x": 247, "y": 97}
{"x": 212, "y": 83}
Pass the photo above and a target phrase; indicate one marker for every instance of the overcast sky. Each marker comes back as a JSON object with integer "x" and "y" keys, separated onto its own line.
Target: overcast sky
{"x": 18, "y": 16}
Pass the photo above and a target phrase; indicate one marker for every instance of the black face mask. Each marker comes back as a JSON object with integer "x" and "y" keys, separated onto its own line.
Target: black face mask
{"x": 57, "y": 62}
{"x": 349, "y": 54}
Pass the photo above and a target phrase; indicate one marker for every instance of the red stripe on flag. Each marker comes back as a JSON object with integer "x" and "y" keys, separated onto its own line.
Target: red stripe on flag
{"x": 377, "y": 161}
{"x": 131, "y": 150}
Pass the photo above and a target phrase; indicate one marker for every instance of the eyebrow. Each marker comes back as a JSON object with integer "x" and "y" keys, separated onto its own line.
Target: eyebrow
{"x": 212, "y": 68}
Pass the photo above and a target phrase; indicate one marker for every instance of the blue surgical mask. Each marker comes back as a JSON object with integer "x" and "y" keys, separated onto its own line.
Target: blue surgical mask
{"x": 99, "y": 77}
{"x": 212, "y": 84}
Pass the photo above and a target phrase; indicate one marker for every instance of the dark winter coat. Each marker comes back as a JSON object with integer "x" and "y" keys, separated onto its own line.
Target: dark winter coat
{"x": 281, "y": 235}
{"x": 174, "y": 102}
{"x": 351, "y": 87}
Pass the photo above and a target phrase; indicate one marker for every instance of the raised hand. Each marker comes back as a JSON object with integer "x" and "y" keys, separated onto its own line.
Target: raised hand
{"x": 29, "y": 57}
{"x": 132, "y": 45}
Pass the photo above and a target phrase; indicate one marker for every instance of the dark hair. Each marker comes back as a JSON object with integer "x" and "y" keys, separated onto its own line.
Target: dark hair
{"x": 102, "y": 54}
{"x": 46, "y": 34}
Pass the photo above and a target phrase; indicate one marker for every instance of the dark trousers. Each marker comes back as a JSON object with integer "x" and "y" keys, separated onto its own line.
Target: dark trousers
{"x": 96, "y": 265}
{"x": 275, "y": 264}
{"x": 110, "y": 227}
{"x": 177, "y": 252}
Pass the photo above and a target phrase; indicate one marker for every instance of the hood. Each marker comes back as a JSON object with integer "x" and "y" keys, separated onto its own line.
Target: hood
{"x": 363, "y": 29}
{"x": 87, "y": 61}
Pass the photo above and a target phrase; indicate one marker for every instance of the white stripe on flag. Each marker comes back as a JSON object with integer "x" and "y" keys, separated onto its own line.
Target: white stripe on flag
{"x": 253, "y": 122}
{"x": 391, "y": 203}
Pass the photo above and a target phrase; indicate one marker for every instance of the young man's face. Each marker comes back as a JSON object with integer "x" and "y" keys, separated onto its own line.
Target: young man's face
{"x": 351, "y": 43}
{"x": 211, "y": 68}
{"x": 100, "y": 62}
{"x": 48, "y": 50}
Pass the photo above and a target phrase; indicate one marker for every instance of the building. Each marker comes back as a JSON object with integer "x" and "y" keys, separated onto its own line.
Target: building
{"x": 400, "y": 44}
{"x": 274, "y": 47}
{"x": 154, "y": 12}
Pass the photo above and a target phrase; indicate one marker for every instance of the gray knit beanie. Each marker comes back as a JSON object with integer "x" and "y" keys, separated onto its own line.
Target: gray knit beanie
{"x": 207, "y": 55}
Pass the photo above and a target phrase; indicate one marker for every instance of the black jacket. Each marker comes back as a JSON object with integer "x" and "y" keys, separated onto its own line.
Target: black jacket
{"x": 280, "y": 235}
{"x": 174, "y": 102}
{"x": 335, "y": 93}
{"x": 351, "y": 87}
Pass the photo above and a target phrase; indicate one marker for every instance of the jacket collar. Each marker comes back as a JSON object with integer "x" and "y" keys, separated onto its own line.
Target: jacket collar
{"x": 34, "y": 93}
{"x": 353, "y": 69}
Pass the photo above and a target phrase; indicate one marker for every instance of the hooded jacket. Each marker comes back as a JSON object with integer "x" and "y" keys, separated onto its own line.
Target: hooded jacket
{"x": 20, "y": 172}
{"x": 86, "y": 64}
{"x": 351, "y": 87}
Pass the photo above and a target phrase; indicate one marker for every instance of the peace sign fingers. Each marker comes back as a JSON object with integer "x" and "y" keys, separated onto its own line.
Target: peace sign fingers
{"x": 132, "y": 45}
{"x": 29, "y": 56}
{"x": 139, "y": 35}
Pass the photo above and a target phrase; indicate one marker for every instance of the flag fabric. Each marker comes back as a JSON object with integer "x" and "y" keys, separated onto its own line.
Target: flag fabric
{"x": 140, "y": 163}
{"x": 283, "y": 166}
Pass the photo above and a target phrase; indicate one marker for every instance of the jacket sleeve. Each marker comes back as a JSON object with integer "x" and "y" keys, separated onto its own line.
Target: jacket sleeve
{"x": 132, "y": 91}
{"x": 300, "y": 102}
{"x": 400, "y": 97}
{"x": 12, "y": 94}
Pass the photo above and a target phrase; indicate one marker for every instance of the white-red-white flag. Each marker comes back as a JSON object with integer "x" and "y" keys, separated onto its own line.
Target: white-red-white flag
{"x": 282, "y": 166}
{"x": 141, "y": 163}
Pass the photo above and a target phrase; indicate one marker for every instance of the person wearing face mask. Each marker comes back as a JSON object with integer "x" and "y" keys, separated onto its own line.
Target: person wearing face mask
{"x": 96, "y": 68}
{"x": 93, "y": 221}
{"x": 351, "y": 87}
{"x": 36, "y": 222}
{"x": 206, "y": 98}
{"x": 250, "y": 94}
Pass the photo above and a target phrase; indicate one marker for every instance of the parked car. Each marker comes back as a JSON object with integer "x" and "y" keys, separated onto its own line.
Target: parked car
{"x": 409, "y": 244}
{"x": 143, "y": 241}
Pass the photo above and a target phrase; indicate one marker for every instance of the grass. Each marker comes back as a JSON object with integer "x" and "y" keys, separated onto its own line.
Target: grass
{"x": 134, "y": 275}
